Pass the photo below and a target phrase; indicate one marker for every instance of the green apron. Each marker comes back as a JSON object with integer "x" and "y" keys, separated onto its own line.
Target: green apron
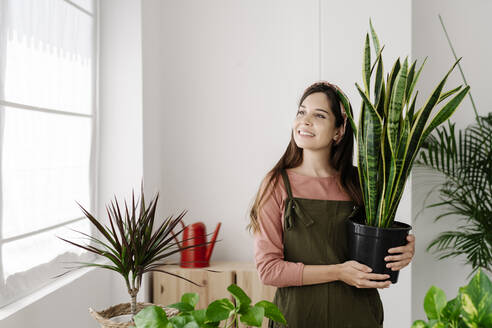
{"x": 315, "y": 233}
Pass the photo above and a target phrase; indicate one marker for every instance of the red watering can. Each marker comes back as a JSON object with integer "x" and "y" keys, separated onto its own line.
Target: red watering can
{"x": 199, "y": 256}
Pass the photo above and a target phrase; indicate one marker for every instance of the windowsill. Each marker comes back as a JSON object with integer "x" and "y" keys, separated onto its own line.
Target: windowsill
{"x": 44, "y": 291}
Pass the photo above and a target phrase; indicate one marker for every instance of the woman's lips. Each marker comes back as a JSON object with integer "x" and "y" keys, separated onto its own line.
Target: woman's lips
{"x": 304, "y": 135}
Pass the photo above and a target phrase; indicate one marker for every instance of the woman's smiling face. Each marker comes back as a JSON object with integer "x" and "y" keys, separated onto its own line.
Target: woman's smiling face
{"x": 314, "y": 126}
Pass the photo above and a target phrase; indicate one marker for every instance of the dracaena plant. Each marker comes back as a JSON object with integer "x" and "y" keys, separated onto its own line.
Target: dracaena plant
{"x": 132, "y": 244}
{"x": 391, "y": 131}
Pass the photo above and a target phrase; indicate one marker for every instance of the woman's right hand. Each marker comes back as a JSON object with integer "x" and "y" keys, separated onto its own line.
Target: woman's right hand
{"x": 358, "y": 275}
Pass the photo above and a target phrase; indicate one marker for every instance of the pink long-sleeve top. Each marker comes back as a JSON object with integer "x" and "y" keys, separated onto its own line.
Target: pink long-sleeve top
{"x": 268, "y": 246}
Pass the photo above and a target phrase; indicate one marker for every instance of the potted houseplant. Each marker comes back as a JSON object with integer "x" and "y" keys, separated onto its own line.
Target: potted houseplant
{"x": 131, "y": 245}
{"x": 389, "y": 135}
{"x": 217, "y": 312}
{"x": 464, "y": 159}
{"x": 472, "y": 307}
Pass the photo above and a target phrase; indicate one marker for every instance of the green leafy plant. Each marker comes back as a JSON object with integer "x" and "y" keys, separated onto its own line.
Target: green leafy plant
{"x": 471, "y": 308}
{"x": 218, "y": 311}
{"x": 387, "y": 140}
{"x": 131, "y": 243}
{"x": 464, "y": 158}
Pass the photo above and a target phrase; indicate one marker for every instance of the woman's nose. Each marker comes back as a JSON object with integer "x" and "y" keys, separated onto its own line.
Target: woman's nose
{"x": 306, "y": 121}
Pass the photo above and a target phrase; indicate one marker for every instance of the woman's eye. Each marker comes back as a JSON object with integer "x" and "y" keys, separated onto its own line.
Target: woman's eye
{"x": 300, "y": 112}
{"x": 319, "y": 115}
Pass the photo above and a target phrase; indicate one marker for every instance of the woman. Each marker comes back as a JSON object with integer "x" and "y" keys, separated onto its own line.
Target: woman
{"x": 299, "y": 217}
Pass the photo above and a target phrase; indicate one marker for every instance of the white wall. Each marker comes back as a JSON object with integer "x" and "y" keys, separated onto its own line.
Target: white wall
{"x": 120, "y": 170}
{"x": 121, "y": 110}
{"x": 66, "y": 306}
{"x": 468, "y": 25}
{"x": 221, "y": 83}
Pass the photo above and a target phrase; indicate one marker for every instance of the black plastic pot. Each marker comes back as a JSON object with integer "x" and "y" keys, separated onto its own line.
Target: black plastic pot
{"x": 369, "y": 245}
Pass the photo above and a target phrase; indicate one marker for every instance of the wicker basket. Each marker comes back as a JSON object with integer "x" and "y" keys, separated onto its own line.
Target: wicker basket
{"x": 104, "y": 317}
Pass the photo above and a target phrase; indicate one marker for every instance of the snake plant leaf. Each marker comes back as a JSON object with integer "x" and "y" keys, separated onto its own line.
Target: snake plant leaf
{"x": 448, "y": 94}
{"x": 421, "y": 120}
{"x": 410, "y": 76}
{"x": 379, "y": 83}
{"x": 416, "y": 78}
{"x": 389, "y": 87}
{"x": 445, "y": 112}
{"x": 346, "y": 105}
{"x": 380, "y": 100}
{"x": 396, "y": 106}
{"x": 384, "y": 163}
{"x": 375, "y": 39}
{"x": 411, "y": 109}
{"x": 393, "y": 132}
{"x": 366, "y": 66}
{"x": 361, "y": 161}
{"x": 378, "y": 54}
{"x": 372, "y": 126}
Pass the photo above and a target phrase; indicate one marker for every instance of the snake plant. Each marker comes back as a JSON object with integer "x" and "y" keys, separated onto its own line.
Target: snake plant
{"x": 390, "y": 131}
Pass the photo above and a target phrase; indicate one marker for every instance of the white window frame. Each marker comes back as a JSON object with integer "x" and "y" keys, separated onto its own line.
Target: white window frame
{"x": 94, "y": 153}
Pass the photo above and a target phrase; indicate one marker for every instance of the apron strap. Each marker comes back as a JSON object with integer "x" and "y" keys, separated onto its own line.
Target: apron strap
{"x": 286, "y": 183}
{"x": 292, "y": 206}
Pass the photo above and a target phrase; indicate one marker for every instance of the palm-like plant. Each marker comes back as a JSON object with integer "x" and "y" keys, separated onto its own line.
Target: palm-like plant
{"x": 465, "y": 160}
{"x": 131, "y": 244}
{"x": 387, "y": 140}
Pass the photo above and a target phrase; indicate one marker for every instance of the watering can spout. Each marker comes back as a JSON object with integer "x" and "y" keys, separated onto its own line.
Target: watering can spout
{"x": 210, "y": 247}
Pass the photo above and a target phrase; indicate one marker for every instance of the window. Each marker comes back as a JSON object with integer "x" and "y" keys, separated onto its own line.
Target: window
{"x": 47, "y": 138}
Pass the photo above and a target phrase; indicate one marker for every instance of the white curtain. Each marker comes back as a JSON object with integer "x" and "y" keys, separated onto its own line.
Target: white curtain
{"x": 47, "y": 106}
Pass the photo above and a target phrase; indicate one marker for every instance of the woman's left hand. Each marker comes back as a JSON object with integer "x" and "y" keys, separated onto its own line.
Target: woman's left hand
{"x": 402, "y": 260}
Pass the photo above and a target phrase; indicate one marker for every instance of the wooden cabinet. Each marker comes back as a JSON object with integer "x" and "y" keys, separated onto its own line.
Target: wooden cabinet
{"x": 168, "y": 289}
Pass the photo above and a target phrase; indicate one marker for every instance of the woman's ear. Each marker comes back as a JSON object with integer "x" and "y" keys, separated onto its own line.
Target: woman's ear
{"x": 338, "y": 136}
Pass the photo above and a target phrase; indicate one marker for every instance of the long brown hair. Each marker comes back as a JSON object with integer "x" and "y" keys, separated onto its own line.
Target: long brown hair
{"x": 341, "y": 156}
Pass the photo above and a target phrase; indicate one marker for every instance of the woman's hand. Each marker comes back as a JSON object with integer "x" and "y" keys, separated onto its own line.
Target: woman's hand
{"x": 403, "y": 259}
{"x": 357, "y": 274}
